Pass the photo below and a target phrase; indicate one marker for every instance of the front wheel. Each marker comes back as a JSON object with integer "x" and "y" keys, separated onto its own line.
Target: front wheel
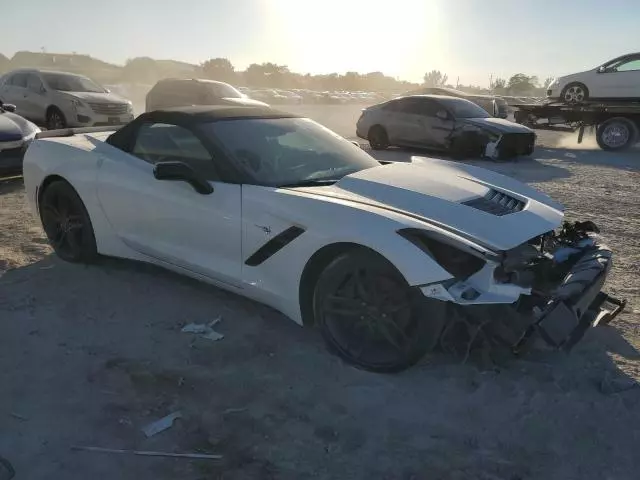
{"x": 55, "y": 119}
{"x": 67, "y": 224}
{"x": 616, "y": 134}
{"x": 378, "y": 138}
{"x": 370, "y": 317}
{"x": 575, "y": 93}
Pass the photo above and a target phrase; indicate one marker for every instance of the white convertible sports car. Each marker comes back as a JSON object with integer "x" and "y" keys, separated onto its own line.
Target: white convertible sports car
{"x": 382, "y": 258}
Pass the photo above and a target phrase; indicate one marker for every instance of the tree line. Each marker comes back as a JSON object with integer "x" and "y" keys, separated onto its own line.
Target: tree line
{"x": 147, "y": 70}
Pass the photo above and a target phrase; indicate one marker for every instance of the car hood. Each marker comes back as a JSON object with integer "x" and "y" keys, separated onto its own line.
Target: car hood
{"x": 14, "y": 128}
{"x": 247, "y": 102}
{"x": 451, "y": 196}
{"x": 497, "y": 125}
{"x": 97, "y": 97}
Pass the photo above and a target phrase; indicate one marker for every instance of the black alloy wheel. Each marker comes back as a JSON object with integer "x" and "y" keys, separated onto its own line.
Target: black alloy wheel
{"x": 66, "y": 223}
{"x": 371, "y": 317}
{"x": 378, "y": 138}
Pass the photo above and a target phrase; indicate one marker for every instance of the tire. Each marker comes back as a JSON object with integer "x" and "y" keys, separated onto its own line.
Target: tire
{"x": 378, "y": 138}
{"x": 370, "y": 317}
{"x": 67, "y": 224}
{"x": 574, "y": 93}
{"x": 616, "y": 134}
{"x": 55, "y": 119}
{"x": 521, "y": 117}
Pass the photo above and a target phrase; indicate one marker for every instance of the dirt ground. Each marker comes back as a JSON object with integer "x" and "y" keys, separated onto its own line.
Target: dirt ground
{"x": 90, "y": 355}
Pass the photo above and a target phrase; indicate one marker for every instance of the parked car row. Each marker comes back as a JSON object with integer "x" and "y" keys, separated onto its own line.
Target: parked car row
{"x": 303, "y": 96}
{"x": 60, "y": 99}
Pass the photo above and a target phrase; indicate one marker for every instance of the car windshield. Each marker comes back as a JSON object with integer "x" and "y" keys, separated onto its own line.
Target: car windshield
{"x": 223, "y": 90}
{"x": 71, "y": 83}
{"x": 462, "y": 108}
{"x": 289, "y": 151}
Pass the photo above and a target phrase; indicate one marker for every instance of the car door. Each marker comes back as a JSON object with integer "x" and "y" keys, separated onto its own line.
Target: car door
{"x": 423, "y": 127}
{"x": 35, "y": 98}
{"x": 15, "y": 91}
{"x": 625, "y": 80}
{"x": 169, "y": 220}
{"x": 436, "y": 123}
{"x": 619, "y": 78}
{"x": 402, "y": 122}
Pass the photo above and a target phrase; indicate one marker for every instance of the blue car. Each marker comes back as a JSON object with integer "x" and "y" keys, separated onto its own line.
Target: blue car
{"x": 15, "y": 135}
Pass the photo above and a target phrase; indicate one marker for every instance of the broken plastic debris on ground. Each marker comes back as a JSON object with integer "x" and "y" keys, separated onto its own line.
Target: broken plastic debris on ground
{"x": 204, "y": 330}
{"x": 161, "y": 425}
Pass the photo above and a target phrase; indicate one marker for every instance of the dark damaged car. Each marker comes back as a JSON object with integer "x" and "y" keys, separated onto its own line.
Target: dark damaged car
{"x": 443, "y": 123}
{"x": 16, "y": 133}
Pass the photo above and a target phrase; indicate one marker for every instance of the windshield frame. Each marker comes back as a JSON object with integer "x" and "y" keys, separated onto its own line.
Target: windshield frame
{"x": 449, "y": 105}
{"x": 48, "y": 77}
{"x": 215, "y": 132}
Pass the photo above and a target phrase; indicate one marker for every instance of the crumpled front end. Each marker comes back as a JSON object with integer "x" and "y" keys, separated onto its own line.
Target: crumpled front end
{"x": 549, "y": 287}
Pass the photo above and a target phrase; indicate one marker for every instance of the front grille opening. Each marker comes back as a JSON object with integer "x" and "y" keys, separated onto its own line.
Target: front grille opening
{"x": 496, "y": 203}
{"x": 109, "y": 108}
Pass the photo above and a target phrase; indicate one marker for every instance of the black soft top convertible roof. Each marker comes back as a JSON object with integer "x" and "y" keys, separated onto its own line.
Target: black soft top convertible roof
{"x": 190, "y": 116}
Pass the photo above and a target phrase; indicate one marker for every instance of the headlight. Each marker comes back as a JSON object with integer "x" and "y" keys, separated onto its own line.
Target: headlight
{"x": 77, "y": 104}
{"x": 459, "y": 260}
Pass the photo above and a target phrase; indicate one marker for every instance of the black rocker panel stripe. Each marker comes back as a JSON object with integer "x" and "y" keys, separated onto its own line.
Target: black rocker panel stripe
{"x": 274, "y": 245}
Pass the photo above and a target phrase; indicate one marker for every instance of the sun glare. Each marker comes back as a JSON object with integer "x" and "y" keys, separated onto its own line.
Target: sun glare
{"x": 398, "y": 37}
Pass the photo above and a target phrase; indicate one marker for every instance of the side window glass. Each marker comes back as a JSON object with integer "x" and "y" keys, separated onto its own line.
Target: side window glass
{"x": 161, "y": 142}
{"x": 414, "y": 106}
{"x": 630, "y": 66}
{"x": 394, "y": 106}
{"x": 34, "y": 84}
{"x": 19, "y": 80}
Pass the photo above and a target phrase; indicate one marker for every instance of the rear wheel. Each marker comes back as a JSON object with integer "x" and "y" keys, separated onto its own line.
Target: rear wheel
{"x": 378, "y": 138}
{"x": 67, "y": 224}
{"x": 369, "y": 315}
{"x": 616, "y": 134}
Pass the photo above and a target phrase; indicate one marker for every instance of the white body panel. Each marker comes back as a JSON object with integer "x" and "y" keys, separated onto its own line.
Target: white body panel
{"x": 622, "y": 81}
{"x": 210, "y": 237}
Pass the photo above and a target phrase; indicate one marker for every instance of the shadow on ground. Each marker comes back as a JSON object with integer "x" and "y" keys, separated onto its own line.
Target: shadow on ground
{"x": 627, "y": 160}
{"x": 93, "y": 353}
{"x": 10, "y": 184}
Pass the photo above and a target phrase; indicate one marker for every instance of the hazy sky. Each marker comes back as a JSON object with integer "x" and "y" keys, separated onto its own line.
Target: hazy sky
{"x": 403, "y": 38}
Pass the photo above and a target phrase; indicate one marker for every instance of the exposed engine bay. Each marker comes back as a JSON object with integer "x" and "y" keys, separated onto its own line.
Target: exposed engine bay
{"x": 562, "y": 273}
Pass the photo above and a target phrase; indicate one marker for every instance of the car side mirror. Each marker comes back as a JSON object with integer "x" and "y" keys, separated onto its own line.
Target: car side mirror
{"x": 442, "y": 115}
{"x": 9, "y": 107}
{"x": 180, "y": 171}
{"x": 602, "y": 69}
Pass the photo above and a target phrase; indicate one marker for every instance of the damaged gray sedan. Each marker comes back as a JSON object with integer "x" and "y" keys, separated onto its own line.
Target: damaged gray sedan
{"x": 445, "y": 123}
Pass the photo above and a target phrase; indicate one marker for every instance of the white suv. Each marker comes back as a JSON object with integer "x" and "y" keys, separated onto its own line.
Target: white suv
{"x": 617, "y": 79}
{"x": 59, "y": 100}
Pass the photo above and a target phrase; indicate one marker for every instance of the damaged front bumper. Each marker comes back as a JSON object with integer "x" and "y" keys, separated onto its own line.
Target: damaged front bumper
{"x": 548, "y": 288}
{"x": 510, "y": 145}
{"x": 577, "y": 304}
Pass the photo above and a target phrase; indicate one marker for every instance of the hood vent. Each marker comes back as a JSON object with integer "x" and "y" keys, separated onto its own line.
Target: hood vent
{"x": 496, "y": 203}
